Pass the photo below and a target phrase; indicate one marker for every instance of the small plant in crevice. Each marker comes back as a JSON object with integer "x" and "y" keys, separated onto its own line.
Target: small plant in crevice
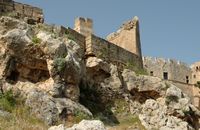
{"x": 197, "y": 84}
{"x": 171, "y": 99}
{"x": 36, "y": 40}
{"x": 59, "y": 64}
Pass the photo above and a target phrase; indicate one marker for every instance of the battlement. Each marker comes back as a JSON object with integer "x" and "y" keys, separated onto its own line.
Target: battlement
{"x": 22, "y": 11}
{"x": 84, "y": 26}
{"x": 168, "y": 69}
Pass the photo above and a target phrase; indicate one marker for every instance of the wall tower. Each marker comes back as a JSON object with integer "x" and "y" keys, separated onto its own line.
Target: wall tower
{"x": 84, "y": 26}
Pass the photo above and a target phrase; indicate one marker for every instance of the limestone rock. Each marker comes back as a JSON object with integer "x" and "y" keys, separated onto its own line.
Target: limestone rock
{"x": 4, "y": 114}
{"x": 142, "y": 83}
{"x": 43, "y": 106}
{"x": 59, "y": 127}
{"x": 155, "y": 116}
{"x": 83, "y": 125}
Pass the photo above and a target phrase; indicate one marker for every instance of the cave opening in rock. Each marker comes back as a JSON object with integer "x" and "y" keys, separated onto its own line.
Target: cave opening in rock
{"x": 33, "y": 71}
{"x": 14, "y": 75}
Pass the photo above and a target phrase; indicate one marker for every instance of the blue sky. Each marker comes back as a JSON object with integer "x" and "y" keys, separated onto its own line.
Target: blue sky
{"x": 169, "y": 28}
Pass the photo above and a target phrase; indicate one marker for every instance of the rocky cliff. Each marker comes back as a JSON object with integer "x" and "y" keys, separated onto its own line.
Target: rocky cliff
{"x": 47, "y": 70}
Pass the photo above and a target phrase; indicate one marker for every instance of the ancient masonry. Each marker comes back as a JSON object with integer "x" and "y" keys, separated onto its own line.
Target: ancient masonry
{"x": 187, "y": 78}
{"x": 21, "y": 11}
{"x": 114, "y": 52}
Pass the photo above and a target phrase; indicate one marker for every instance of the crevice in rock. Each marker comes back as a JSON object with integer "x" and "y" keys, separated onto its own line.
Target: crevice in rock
{"x": 97, "y": 100}
{"x": 142, "y": 96}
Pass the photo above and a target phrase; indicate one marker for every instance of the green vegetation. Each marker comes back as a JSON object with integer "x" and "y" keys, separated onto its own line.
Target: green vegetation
{"x": 7, "y": 101}
{"x": 10, "y": 14}
{"x": 79, "y": 116}
{"x": 36, "y": 40}
{"x": 120, "y": 106}
{"x": 20, "y": 117}
{"x": 128, "y": 122}
{"x": 137, "y": 69}
{"x": 59, "y": 63}
{"x": 70, "y": 36}
{"x": 197, "y": 84}
{"x": 171, "y": 99}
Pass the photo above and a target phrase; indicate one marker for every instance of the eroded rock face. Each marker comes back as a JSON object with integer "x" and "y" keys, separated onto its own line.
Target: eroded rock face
{"x": 42, "y": 67}
{"x": 155, "y": 116}
{"x": 36, "y": 55}
{"x": 173, "y": 111}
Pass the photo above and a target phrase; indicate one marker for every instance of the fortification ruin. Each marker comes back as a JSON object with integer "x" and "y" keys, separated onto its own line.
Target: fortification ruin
{"x": 115, "y": 52}
{"x": 121, "y": 48}
{"x": 22, "y": 11}
{"x": 187, "y": 78}
{"x": 128, "y": 37}
{"x": 84, "y": 26}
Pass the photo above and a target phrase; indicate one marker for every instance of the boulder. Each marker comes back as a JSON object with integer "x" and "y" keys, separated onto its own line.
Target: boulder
{"x": 143, "y": 83}
{"x": 83, "y": 125}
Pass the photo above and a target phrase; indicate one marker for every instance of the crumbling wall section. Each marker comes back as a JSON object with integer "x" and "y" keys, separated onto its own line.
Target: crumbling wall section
{"x": 101, "y": 48}
{"x": 128, "y": 37}
{"x": 19, "y": 10}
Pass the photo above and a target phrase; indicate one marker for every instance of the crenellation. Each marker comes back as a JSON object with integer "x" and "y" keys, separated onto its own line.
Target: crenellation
{"x": 26, "y": 12}
{"x": 84, "y": 26}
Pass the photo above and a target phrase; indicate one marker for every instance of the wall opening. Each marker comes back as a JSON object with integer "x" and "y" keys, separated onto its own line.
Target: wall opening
{"x": 165, "y": 75}
{"x": 194, "y": 76}
{"x": 151, "y": 73}
{"x": 187, "y": 79}
{"x": 197, "y": 68}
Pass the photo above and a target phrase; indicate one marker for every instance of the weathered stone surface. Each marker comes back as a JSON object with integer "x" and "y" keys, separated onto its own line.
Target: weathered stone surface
{"x": 154, "y": 116}
{"x": 28, "y": 13}
{"x": 43, "y": 106}
{"x": 59, "y": 127}
{"x": 143, "y": 83}
{"x": 83, "y": 125}
{"x": 128, "y": 37}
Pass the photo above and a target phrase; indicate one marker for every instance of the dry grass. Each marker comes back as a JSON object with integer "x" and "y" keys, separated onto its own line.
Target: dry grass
{"x": 128, "y": 123}
{"x": 21, "y": 119}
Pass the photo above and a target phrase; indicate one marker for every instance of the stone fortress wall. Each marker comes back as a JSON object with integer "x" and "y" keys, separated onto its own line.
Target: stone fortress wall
{"x": 101, "y": 48}
{"x": 168, "y": 69}
{"x": 180, "y": 74}
{"x": 112, "y": 52}
{"x": 10, "y": 7}
{"x": 195, "y": 72}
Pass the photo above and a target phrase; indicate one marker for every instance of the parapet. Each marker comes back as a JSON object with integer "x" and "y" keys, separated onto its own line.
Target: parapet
{"x": 84, "y": 26}
{"x": 128, "y": 37}
{"x": 22, "y": 11}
